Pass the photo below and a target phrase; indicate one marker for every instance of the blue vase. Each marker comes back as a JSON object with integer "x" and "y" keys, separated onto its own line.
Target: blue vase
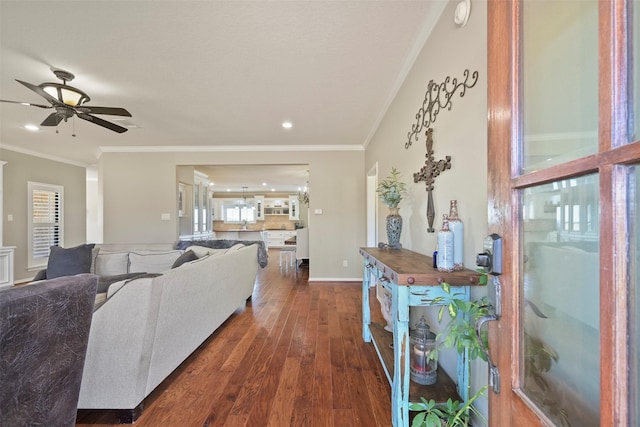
{"x": 394, "y": 228}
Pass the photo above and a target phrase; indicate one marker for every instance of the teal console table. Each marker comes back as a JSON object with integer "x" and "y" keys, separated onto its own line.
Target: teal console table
{"x": 412, "y": 281}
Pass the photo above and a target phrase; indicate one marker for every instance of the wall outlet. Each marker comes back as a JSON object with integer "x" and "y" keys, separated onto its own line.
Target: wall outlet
{"x": 165, "y": 217}
{"x": 345, "y": 263}
{"x": 9, "y": 217}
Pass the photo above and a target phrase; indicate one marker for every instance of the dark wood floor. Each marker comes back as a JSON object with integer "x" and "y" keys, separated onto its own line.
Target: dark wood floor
{"x": 294, "y": 356}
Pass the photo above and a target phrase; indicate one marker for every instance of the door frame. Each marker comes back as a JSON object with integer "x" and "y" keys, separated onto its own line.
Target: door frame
{"x": 372, "y": 206}
{"x": 504, "y": 184}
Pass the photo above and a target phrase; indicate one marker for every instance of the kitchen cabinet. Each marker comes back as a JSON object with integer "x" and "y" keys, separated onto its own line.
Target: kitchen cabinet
{"x": 201, "y": 204}
{"x": 276, "y": 206}
{"x": 276, "y": 238}
{"x": 294, "y": 208}
{"x": 258, "y": 202}
{"x": 194, "y": 207}
{"x": 216, "y": 208}
{"x": 412, "y": 281}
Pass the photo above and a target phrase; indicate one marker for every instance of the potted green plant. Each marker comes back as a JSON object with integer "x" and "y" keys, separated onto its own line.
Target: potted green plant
{"x": 391, "y": 191}
{"x": 451, "y": 414}
{"x": 459, "y": 333}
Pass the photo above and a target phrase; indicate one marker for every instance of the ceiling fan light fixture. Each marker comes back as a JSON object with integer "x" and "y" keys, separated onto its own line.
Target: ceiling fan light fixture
{"x": 68, "y": 95}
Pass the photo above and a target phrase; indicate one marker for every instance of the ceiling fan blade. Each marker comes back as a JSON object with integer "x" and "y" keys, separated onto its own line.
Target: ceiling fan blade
{"x": 52, "y": 119}
{"x": 112, "y": 111}
{"x": 41, "y": 92}
{"x": 100, "y": 122}
{"x": 27, "y": 103}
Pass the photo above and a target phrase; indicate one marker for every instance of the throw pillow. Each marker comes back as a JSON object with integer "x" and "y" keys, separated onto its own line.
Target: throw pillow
{"x": 94, "y": 255}
{"x": 112, "y": 263}
{"x": 188, "y": 256}
{"x": 235, "y": 247}
{"x": 69, "y": 261}
{"x": 152, "y": 262}
{"x": 202, "y": 251}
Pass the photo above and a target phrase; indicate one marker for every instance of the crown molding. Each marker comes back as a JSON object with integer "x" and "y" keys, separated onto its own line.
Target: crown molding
{"x": 41, "y": 155}
{"x": 186, "y": 149}
{"x": 226, "y": 148}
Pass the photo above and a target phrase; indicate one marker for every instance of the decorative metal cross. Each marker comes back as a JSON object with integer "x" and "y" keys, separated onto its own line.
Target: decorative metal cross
{"x": 428, "y": 173}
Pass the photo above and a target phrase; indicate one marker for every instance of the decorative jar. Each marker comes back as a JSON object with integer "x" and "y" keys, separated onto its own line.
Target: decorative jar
{"x": 423, "y": 370}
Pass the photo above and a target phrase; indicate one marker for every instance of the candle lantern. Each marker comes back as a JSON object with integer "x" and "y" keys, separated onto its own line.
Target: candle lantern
{"x": 422, "y": 341}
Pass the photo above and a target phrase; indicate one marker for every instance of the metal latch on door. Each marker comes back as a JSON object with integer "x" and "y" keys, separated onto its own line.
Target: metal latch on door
{"x": 491, "y": 260}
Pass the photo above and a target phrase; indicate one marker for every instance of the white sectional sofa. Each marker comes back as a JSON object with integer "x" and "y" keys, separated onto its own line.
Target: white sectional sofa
{"x": 148, "y": 326}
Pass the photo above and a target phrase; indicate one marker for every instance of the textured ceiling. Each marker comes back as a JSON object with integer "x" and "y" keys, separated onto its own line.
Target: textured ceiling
{"x": 209, "y": 73}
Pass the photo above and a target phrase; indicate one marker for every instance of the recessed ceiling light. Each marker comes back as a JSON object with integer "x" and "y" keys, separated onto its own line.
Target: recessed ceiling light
{"x": 264, "y": 183}
{"x": 32, "y": 128}
{"x": 287, "y": 125}
{"x": 211, "y": 184}
{"x": 273, "y": 189}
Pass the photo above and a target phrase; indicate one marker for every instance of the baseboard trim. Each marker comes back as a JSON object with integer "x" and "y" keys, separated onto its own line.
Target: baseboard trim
{"x": 334, "y": 279}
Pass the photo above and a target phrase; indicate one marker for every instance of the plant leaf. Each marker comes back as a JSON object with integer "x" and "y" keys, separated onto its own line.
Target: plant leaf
{"x": 418, "y": 420}
{"x": 452, "y": 310}
{"x": 445, "y": 287}
{"x": 433, "y": 420}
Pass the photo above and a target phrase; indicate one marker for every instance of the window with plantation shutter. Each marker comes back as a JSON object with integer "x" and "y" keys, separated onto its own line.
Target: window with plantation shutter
{"x": 45, "y": 221}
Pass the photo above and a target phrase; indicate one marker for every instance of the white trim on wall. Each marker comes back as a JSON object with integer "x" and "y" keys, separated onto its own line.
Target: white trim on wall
{"x": 372, "y": 206}
{"x": 227, "y": 148}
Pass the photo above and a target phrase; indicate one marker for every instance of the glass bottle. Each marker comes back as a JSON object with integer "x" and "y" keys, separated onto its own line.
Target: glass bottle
{"x": 435, "y": 257}
{"x": 445, "y": 246}
{"x": 457, "y": 228}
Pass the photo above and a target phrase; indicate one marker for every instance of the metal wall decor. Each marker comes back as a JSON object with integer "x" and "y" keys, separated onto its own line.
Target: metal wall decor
{"x": 428, "y": 173}
{"x": 438, "y": 97}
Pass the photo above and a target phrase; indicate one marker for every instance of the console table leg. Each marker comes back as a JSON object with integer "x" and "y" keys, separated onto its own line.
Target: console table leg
{"x": 400, "y": 387}
{"x": 366, "y": 309}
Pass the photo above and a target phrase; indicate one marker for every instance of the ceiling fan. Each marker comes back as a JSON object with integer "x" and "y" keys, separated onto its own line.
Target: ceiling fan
{"x": 69, "y": 101}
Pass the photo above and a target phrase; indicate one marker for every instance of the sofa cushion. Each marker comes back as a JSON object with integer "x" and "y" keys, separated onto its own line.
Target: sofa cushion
{"x": 152, "y": 262}
{"x": 188, "y": 256}
{"x": 105, "y": 281}
{"x": 112, "y": 263}
{"x": 202, "y": 251}
{"x": 235, "y": 247}
{"x": 69, "y": 261}
{"x": 116, "y": 286}
{"x": 94, "y": 255}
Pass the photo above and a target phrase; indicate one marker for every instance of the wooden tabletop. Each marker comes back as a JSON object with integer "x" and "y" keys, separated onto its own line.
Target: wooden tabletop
{"x": 406, "y": 267}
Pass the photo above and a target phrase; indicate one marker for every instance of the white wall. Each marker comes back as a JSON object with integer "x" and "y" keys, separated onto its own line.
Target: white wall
{"x": 138, "y": 187}
{"x": 460, "y": 133}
